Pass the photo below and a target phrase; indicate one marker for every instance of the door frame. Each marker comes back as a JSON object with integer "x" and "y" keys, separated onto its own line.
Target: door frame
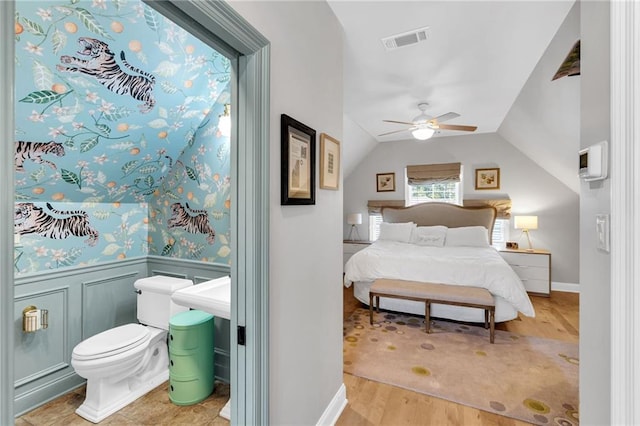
{"x": 218, "y": 24}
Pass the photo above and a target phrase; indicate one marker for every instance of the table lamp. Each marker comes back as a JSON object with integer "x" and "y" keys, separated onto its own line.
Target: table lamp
{"x": 354, "y": 219}
{"x": 526, "y": 223}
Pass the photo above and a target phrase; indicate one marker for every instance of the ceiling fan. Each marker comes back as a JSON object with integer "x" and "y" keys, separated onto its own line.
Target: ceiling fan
{"x": 424, "y": 126}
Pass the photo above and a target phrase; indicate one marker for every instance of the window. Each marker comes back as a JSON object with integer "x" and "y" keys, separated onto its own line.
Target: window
{"x": 444, "y": 192}
{"x": 500, "y": 233}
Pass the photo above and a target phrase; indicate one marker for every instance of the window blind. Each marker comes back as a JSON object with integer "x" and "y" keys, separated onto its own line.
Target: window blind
{"x": 432, "y": 173}
{"x": 375, "y": 206}
{"x": 503, "y": 206}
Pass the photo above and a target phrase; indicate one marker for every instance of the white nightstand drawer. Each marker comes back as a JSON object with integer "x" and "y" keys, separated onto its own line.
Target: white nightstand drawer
{"x": 526, "y": 259}
{"x": 536, "y": 286}
{"x": 531, "y": 272}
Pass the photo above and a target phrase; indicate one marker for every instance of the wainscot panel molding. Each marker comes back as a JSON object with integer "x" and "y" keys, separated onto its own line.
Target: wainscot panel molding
{"x": 72, "y": 296}
{"x": 83, "y": 301}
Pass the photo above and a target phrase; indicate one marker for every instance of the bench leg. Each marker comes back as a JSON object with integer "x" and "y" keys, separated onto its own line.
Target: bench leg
{"x": 427, "y": 316}
{"x": 378, "y": 304}
{"x": 486, "y": 319}
{"x": 492, "y": 331}
{"x": 370, "y": 308}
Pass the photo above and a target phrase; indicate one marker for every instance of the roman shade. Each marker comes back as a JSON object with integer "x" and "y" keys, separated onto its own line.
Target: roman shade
{"x": 433, "y": 173}
{"x": 375, "y": 206}
{"x": 503, "y": 206}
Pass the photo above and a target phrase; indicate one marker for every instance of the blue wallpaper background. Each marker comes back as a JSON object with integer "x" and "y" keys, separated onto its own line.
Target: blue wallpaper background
{"x": 116, "y": 121}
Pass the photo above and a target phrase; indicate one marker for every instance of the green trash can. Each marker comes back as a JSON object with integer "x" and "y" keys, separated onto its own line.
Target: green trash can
{"x": 191, "y": 373}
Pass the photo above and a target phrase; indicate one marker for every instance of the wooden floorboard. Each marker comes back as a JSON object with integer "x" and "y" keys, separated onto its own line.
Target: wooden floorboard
{"x": 374, "y": 403}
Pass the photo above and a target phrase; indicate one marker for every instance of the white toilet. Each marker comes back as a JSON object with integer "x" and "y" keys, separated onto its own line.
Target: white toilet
{"x": 126, "y": 362}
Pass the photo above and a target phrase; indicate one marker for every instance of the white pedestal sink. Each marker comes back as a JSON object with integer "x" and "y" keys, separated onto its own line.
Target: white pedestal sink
{"x": 214, "y": 297}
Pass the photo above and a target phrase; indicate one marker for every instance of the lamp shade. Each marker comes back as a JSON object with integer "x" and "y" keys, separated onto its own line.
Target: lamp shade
{"x": 354, "y": 219}
{"x": 423, "y": 133}
{"x": 526, "y": 222}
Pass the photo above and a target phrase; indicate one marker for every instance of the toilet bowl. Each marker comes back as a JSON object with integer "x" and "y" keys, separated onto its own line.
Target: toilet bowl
{"x": 123, "y": 363}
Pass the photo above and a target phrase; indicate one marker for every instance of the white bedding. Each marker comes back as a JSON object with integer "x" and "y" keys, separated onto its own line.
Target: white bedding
{"x": 474, "y": 266}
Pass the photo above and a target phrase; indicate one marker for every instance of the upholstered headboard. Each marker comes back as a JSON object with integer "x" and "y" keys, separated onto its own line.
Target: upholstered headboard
{"x": 449, "y": 215}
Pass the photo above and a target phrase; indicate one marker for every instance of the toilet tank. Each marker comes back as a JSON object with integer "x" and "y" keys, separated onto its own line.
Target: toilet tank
{"x": 155, "y": 307}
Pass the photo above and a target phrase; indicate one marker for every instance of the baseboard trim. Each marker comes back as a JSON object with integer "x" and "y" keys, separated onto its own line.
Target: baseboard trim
{"x": 335, "y": 407}
{"x": 567, "y": 287}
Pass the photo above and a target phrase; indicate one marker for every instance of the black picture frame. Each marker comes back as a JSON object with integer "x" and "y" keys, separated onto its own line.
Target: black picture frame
{"x": 297, "y": 162}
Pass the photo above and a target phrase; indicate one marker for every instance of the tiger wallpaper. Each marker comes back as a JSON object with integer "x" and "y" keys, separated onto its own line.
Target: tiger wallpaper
{"x": 117, "y": 113}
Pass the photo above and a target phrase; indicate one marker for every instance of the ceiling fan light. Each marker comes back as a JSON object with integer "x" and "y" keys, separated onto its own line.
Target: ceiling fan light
{"x": 423, "y": 133}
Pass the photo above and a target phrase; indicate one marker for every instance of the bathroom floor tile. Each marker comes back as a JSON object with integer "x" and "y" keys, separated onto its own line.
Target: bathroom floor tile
{"x": 154, "y": 408}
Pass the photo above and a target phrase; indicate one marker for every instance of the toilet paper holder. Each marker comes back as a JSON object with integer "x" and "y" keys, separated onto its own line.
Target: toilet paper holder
{"x": 34, "y": 319}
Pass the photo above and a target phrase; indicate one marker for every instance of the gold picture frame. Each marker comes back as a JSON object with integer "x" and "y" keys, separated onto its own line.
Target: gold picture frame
{"x": 385, "y": 182}
{"x": 329, "y": 162}
{"x": 488, "y": 178}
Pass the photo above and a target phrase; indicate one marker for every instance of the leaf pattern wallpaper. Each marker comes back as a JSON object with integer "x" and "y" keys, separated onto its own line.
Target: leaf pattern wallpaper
{"x": 118, "y": 153}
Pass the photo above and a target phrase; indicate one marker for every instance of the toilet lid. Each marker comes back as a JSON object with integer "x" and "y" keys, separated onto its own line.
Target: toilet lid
{"x": 112, "y": 342}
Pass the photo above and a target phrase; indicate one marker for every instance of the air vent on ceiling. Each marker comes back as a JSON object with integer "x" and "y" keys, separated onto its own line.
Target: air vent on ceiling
{"x": 406, "y": 39}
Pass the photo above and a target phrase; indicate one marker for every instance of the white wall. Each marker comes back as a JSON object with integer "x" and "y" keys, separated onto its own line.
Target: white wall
{"x": 595, "y": 266}
{"x": 356, "y": 144}
{"x": 544, "y": 121}
{"x": 305, "y": 251}
{"x": 531, "y": 189}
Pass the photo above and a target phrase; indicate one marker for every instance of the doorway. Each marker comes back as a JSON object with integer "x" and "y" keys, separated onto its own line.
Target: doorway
{"x": 217, "y": 24}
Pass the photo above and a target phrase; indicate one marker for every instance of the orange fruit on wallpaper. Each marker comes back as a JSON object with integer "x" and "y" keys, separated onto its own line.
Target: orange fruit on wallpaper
{"x": 70, "y": 27}
{"x": 171, "y": 241}
{"x": 122, "y": 256}
{"x": 111, "y": 184}
{"x": 189, "y": 195}
{"x": 19, "y": 28}
{"x": 190, "y": 49}
{"x": 135, "y": 46}
{"x": 216, "y": 177}
{"x": 116, "y": 204}
{"x": 117, "y": 27}
{"x": 59, "y": 88}
{"x": 188, "y": 83}
{"x": 153, "y": 214}
{"x": 38, "y": 190}
{"x": 155, "y": 194}
{"x": 180, "y": 190}
{"x": 134, "y": 151}
{"x": 162, "y": 134}
{"x": 145, "y": 220}
{"x": 57, "y": 196}
{"x": 166, "y": 203}
{"x": 227, "y": 204}
{"x": 149, "y": 239}
{"x": 123, "y": 127}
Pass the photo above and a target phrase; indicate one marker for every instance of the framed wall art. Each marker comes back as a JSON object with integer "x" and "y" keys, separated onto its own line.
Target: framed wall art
{"x": 488, "y": 178}
{"x": 298, "y": 162}
{"x": 385, "y": 182}
{"x": 329, "y": 162}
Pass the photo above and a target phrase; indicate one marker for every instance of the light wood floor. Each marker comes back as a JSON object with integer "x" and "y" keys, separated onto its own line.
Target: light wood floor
{"x": 373, "y": 403}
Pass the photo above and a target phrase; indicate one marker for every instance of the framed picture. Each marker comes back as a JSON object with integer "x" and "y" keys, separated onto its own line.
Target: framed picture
{"x": 329, "y": 162}
{"x": 298, "y": 162}
{"x": 385, "y": 182}
{"x": 488, "y": 178}
{"x": 512, "y": 245}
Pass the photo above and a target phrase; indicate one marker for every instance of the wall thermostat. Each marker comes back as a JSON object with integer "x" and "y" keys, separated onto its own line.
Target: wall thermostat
{"x": 593, "y": 162}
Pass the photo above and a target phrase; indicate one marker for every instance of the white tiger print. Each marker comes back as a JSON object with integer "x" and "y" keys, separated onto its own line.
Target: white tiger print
{"x": 103, "y": 67}
{"x": 30, "y": 219}
{"x": 34, "y": 151}
{"x": 181, "y": 217}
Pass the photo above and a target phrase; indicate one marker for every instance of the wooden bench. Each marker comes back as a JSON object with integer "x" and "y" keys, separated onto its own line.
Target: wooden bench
{"x": 458, "y": 295}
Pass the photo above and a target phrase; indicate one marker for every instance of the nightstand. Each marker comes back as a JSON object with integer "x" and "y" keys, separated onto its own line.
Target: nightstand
{"x": 533, "y": 267}
{"x": 351, "y": 247}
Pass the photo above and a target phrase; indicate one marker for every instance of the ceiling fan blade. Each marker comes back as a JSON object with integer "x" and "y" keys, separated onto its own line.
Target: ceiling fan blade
{"x": 445, "y": 117}
{"x": 395, "y": 131}
{"x": 399, "y": 122}
{"x": 457, "y": 127}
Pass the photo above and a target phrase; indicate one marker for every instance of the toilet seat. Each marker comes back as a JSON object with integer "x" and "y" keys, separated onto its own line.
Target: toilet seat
{"x": 112, "y": 342}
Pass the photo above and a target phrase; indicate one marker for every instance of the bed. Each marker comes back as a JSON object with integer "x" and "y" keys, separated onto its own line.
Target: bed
{"x": 439, "y": 243}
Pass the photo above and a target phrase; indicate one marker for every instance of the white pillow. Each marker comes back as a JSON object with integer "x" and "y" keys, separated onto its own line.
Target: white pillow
{"x": 396, "y": 231}
{"x": 433, "y": 236}
{"x": 470, "y": 236}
